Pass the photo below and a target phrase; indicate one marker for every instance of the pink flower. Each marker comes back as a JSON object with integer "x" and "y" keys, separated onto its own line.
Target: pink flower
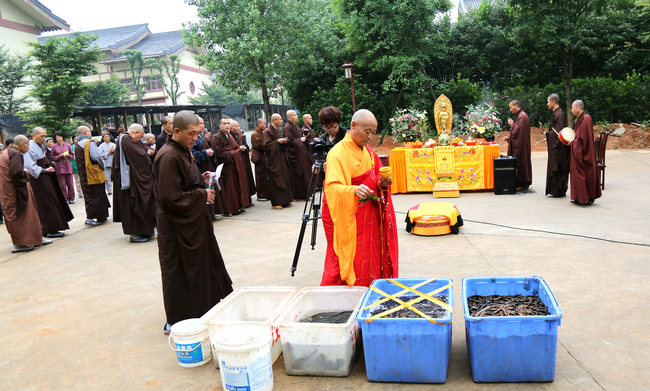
{"x": 408, "y": 116}
{"x": 460, "y": 177}
{"x": 427, "y": 172}
{"x": 473, "y": 176}
{"x": 462, "y": 170}
{"x": 417, "y": 177}
{"x": 479, "y": 124}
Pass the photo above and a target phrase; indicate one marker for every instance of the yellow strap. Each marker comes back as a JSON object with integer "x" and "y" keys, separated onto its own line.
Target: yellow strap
{"x": 397, "y": 294}
{"x": 408, "y": 305}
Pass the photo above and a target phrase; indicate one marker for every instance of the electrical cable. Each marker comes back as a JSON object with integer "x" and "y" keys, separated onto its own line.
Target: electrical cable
{"x": 553, "y": 232}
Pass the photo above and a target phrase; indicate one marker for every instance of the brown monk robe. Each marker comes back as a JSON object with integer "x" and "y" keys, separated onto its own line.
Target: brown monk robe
{"x": 278, "y": 163}
{"x": 53, "y": 210}
{"x": 17, "y": 197}
{"x": 259, "y": 158}
{"x": 240, "y": 138}
{"x": 519, "y": 145}
{"x": 299, "y": 157}
{"x": 557, "y": 168}
{"x": 204, "y": 159}
{"x": 95, "y": 198}
{"x": 116, "y": 177}
{"x": 585, "y": 182}
{"x": 137, "y": 204}
{"x": 235, "y": 183}
{"x": 165, "y": 131}
{"x": 194, "y": 276}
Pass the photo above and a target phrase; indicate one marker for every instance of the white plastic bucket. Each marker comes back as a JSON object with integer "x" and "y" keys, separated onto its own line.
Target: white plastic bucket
{"x": 192, "y": 343}
{"x": 245, "y": 357}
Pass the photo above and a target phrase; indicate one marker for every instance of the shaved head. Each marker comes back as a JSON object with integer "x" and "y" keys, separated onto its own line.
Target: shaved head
{"x": 184, "y": 119}
{"x": 36, "y": 131}
{"x": 20, "y": 139}
{"x": 580, "y": 104}
{"x": 362, "y": 116}
{"x": 275, "y": 116}
{"x": 363, "y": 127}
{"x": 83, "y": 130}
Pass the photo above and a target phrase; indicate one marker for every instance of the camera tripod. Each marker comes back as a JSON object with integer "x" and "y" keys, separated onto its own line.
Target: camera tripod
{"x": 312, "y": 215}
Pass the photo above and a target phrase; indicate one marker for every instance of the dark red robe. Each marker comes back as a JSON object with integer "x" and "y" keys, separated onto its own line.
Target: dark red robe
{"x": 194, "y": 277}
{"x": 245, "y": 157}
{"x": 137, "y": 204}
{"x": 279, "y": 168}
{"x": 235, "y": 183}
{"x": 585, "y": 183}
{"x": 557, "y": 168}
{"x": 519, "y": 147}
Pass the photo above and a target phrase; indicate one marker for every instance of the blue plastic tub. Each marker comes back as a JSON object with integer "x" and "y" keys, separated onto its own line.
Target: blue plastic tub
{"x": 511, "y": 348}
{"x": 406, "y": 350}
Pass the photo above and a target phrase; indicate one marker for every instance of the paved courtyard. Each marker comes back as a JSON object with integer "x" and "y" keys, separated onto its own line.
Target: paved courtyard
{"x": 86, "y": 312}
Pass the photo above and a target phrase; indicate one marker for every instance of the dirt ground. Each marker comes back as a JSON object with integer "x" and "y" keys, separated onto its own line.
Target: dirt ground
{"x": 635, "y": 137}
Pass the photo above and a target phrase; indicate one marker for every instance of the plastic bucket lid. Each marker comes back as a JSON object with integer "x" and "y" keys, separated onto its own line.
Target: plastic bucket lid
{"x": 188, "y": 327}
{"x": 242, "y": 337}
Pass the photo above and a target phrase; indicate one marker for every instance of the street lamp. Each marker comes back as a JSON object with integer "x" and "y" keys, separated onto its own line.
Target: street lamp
{"x": 350, "y": 76}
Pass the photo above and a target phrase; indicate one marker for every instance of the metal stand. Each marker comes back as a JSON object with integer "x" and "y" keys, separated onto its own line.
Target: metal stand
{"x": 312, "y": 215}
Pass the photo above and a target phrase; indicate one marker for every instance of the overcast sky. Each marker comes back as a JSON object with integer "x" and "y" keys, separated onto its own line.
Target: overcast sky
{"x": 86, "y": 15}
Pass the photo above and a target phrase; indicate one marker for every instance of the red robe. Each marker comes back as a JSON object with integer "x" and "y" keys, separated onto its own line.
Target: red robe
{"x": 519, "y": 147}
{"x": 585, "y": 183}
{"x": 375, "y": 249}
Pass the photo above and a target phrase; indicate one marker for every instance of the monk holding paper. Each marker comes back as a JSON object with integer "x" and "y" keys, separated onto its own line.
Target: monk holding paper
{"x": 358, "y": 214}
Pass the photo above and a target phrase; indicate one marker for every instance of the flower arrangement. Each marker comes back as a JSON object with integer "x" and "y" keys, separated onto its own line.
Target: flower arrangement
{"x": 481, "y": 121}
{"x": 409, "y": 125}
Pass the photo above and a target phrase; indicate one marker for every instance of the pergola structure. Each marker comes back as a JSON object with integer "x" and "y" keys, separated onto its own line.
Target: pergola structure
{"x": 96, "y": 113}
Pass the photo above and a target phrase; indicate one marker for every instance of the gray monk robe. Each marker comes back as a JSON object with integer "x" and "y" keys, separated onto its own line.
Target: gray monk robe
{"x": 259, "y": 158}
{"x": 519, "y": 147}
{"x": 557, "y": 168}
{"x": 194, "y": 277}
{"x": 137, "y": 204}
{"x": 94, "y": 195}
{"x": 279, "y": 168}
{"x": 17, "y": 200}
{"x": 235, "y": 183}
{"x": 53, "y": 210}
{"x": 300, "y": 159}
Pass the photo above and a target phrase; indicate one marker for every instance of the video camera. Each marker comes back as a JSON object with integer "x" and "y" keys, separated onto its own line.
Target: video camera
{"x": 319, "y": 149}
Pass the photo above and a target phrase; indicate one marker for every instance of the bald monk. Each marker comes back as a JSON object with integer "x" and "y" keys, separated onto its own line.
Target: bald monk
{"x": 361, "y": 237}
{"x": 53, "y": 210}
{"x": 17, "y": 199}
{"x": 235, "y": 194}
{"x": 557, "y": 168}
{"x": 519, "y": 145}
{"x": 278, "y": 164}
{"x": 259, "y": 158}
{"x": 89, "y": 159}
{"x": 194, "y": 277}
{"x": 204, "y": 159}
{"x": 585, "y": 182}
{"x": 299, "y": 157}
{"x": 240, "y": 138}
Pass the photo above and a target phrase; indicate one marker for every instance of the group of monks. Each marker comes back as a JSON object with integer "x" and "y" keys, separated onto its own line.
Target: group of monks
{"x": 577, "y": 159}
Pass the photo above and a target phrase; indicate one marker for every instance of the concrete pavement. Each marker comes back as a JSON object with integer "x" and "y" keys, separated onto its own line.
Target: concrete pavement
{"x": 86, "y": 312}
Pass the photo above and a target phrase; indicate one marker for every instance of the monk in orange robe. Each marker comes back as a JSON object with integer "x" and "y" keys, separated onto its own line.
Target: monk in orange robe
{"x": 361, "y": 236}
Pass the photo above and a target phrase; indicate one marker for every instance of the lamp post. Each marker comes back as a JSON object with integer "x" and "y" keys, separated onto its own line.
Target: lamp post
{"x": 349, "y": 75}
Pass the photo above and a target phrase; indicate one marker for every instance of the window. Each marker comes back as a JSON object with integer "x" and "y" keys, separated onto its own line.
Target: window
{"x": 192, "y": 89}
{"x": 152, "y": 84}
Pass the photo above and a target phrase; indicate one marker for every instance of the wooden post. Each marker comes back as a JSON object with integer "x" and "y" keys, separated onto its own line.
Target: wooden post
{"x": 210, "y": 119}
{"x": 94, "y": 122}
{"x": 135, "y": 118}
{"x": 246, "y": 117}
{"x": 149, "y": 121}
{"x": 99, "y": 121}
{"x": 126, "y": 120}
{"x": 116, "y": 122}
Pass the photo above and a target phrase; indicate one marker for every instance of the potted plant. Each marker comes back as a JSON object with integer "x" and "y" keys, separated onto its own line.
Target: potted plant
{"x": 409, "y": 126}
{"x": 481, "y": 122}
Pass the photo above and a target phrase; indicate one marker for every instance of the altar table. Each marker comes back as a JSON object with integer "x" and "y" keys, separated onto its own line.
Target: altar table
{"x": 416, "y": 170}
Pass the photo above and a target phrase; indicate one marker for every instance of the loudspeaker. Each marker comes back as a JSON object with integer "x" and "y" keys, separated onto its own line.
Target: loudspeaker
{"x": 505, "y": 175}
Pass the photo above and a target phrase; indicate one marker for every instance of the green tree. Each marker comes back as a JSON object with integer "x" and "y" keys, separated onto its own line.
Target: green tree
{"x": 13, "y": 75}
{"x": 215, "y": 94}
{"x": 109, "y": 92}
{"x": 247, "y": 42}
{"x": 60, "y": 63}
{"x": 137, "y": 64}
{"x": 169, "y": 75}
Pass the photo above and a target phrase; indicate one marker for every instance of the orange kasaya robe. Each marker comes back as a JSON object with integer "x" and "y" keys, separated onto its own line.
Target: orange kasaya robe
{"x": 361, "y": 238}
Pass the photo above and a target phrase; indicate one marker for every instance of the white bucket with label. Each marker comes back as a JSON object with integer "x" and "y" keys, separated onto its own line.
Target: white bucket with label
{"x": 192, "y": 343}
{"x": 244, "y": 352}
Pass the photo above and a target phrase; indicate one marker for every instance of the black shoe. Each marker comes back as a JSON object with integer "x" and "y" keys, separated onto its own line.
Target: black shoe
{"x": 89, "y": 223}
{"x": 252, "y": 204}
{"x": 101, "y": 219}
{"x": 216, "y": 218}
{"x": 55, "y": 234}
{"x": 138, "y": 239}
{"x": 81, "y": 196}
{"x": 148, "y": 235}
{"x": 242, "y": 210}
{"x": 590, "y": 202}
{"x": 262, "y": 199}
{"x": 167, "y": 329}
{"x": 227, "y": 215}
{"x": 573, "y": 201}
{"x": 71, "y": 202}
{"x": 21, "y": 249}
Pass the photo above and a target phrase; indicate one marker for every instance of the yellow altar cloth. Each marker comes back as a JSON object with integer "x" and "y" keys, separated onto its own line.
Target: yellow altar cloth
{"x": 414, "y": 170}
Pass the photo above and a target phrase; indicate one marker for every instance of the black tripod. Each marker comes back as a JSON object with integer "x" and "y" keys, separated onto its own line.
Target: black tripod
{"x": 314, "y": 206}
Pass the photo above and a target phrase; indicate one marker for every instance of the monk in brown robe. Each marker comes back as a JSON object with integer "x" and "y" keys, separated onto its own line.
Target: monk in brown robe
{"x": 585, "y": 182}
{"x": 204, "y": 159}
{"x": 259, "y": 158}
{"x": 53, "y": 210}
{"x": 137, "y": 201}
{"x": 299, "y": 157}
{"x": 519, "y": 145}
{"x": 557, "y": 168}
{"x": 17, "y": 199}
{"x": 240, "y": 138}
{"x": 194, "y": 277}
{"x": 165, "y": 131}
{"x": 278, "y": 163}
{"x": 95, "y": 198}
{"x": 235, "y": 184}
